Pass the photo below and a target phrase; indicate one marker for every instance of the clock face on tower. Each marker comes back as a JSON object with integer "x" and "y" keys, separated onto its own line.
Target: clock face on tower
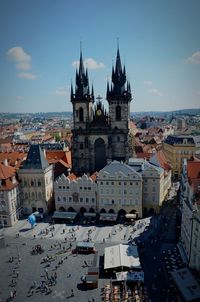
{"x": 99, "y": 112}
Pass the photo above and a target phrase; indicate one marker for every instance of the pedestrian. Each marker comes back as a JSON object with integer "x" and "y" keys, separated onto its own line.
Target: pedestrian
{"x": 72, "y": 293}
{"x": 11, "y": 294}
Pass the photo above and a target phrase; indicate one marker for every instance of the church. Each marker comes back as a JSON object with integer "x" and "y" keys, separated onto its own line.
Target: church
{"x": 98, "y": 136}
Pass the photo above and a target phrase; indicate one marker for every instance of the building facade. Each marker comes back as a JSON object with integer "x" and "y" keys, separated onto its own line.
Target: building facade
{"x": 190, "y": 203}
{"x": 77, "y": 194}
{"x": 119, "y": 190}
{"x": 154, "y": 184}
{"x": 10, "y": 207}
{"x": 36, "y": 182}
{"x": 99, "y": 137}
{"x": 176, "y": 148}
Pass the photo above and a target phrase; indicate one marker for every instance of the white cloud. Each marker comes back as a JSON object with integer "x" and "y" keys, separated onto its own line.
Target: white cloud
{"x": 148, "y": 83}
{"x": 19, "y": 97}
{"x": 194, "y": 58}
{"x": 20, "y": 57}
{"x": 62, "y": 91}
{"x": 155, "y": 91}
{"x": 26, "y": 75}
{"x": 90, "y": 64}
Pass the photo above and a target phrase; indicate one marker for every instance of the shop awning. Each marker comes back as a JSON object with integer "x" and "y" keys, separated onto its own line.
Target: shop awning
{"x": 121, "y": 255}
{"x": 108, "y": 217}
{"x": 131, "y": 216}
{"x": 90, "y": 214}
{"x": 64, "y": 215}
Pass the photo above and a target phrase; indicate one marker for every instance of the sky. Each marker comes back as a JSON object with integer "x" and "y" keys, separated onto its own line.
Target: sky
{"x": 159, "y": 43}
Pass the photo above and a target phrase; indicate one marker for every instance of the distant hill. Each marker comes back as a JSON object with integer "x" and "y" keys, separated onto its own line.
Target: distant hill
{"x": 68, "y": 114}
{"x": 167, "y": 113}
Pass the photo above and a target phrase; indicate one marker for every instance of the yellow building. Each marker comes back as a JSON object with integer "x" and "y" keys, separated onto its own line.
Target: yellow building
{"x": 176, "y": 148}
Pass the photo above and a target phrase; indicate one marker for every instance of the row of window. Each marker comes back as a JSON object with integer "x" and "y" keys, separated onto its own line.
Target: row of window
{"x": 123, "y": 192}
{"x": 119, "y": 201}
{"x": 68, "y": 188}
{"x": 112, "y": 183}
{"x": 70, "y": 199}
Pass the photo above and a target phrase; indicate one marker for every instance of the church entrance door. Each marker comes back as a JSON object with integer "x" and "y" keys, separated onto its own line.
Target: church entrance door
{"x": 100, "y": 154}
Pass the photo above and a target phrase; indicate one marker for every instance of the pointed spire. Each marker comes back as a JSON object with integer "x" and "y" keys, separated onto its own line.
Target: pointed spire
{"x": 118, "y": 66}
{"x": 108, "y": 89}
{"x": 81, "y": 66}
{"x": 72, "y": 92}
{"x": 92, "y": 93}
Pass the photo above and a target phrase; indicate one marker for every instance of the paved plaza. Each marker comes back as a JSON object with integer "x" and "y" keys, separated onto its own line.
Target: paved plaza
{"x": 25, "y": 271}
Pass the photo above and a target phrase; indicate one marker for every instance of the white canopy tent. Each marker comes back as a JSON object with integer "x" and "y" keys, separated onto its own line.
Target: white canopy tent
{"x": 121, "y": 255}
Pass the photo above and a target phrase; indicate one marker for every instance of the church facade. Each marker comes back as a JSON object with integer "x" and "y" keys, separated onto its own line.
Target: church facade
{"x": 99, "y": 137}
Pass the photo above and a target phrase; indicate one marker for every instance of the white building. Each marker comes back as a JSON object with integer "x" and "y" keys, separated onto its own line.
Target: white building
{"x": 154, "y": 184}
{"x": 10, "y": 208}
{"x": 75, "y": 193}
{"x": 119, "y": 189}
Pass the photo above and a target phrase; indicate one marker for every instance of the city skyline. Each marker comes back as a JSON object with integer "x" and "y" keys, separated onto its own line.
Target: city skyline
{"x": 40, "y": 48}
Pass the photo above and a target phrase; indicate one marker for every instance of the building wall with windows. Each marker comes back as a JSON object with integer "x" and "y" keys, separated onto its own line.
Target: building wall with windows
{"x": 153, "y": 187}
{"x": 10, "y": 207}
{"x": 119, "y": 189}
{"x": 195, "y": 243}
{"x": 176, "y": 148}
{"x": 36, "y": 189}
{"x": 190, "y": 200}
{"x": 75, "y": 193}
{"x": 36, "y": 182}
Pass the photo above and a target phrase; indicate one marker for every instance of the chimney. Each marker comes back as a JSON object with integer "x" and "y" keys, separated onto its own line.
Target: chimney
{"x": 5, "y": 162}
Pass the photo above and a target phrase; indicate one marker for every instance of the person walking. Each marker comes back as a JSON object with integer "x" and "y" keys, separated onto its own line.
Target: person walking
{"x": 72, "y": 293}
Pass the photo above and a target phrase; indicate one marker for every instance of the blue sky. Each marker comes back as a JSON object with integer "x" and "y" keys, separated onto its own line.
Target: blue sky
{"x": 159, "y": 42}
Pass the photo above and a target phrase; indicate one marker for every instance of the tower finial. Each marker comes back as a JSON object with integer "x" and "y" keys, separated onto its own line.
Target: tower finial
{"x": 117, "y": 42}
{"x": 80, "y": 45}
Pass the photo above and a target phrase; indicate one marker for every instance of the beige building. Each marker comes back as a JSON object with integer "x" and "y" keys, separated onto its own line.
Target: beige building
{"x": 75, "y": 194}
{"x": 119, "y": 189}
{"x": 36, "y": 182}
{"x": 10, "y": 208}
{"x": 176, "y": 148}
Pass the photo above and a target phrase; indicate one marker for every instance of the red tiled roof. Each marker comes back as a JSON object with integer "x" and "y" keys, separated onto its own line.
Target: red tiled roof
{"x": 72, "y": 176}
{"x": 162, "y": 160}
{"x": 14, "y": 158}
{"x": 94, "y": 176}
{"x": 6, "y": 171}
{"x": 193, "y": 169}
{"x": 143, "y": 155}
{"x": 6, "y": 174}
{"x": 54, "y": 156}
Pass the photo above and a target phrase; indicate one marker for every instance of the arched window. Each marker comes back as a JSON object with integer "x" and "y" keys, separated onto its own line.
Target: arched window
{"x": 118, "y": 113}
{"x": 81, "y": 118}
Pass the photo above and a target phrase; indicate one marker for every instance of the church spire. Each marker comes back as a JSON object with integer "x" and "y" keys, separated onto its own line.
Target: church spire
{"x": 119, "y": 86}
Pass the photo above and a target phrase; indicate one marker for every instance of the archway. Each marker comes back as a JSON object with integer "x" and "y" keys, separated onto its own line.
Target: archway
{"x": 111, "y": 211}
{"x": 151, "y": 211}
{"x": 82, "y": 210}
{"x": 121, "y": 212}
{"x": 62, "y": 209}
{"x": 71, "y": 209}
{"x": 100, "y": 154}
{"x": 133, "y": 212}
{"x": 103, "y": 211}
{"x": 91, "y": 210}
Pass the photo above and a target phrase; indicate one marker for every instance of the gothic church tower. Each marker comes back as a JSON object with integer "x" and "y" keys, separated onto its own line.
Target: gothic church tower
{"x": 98, "y": 136}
